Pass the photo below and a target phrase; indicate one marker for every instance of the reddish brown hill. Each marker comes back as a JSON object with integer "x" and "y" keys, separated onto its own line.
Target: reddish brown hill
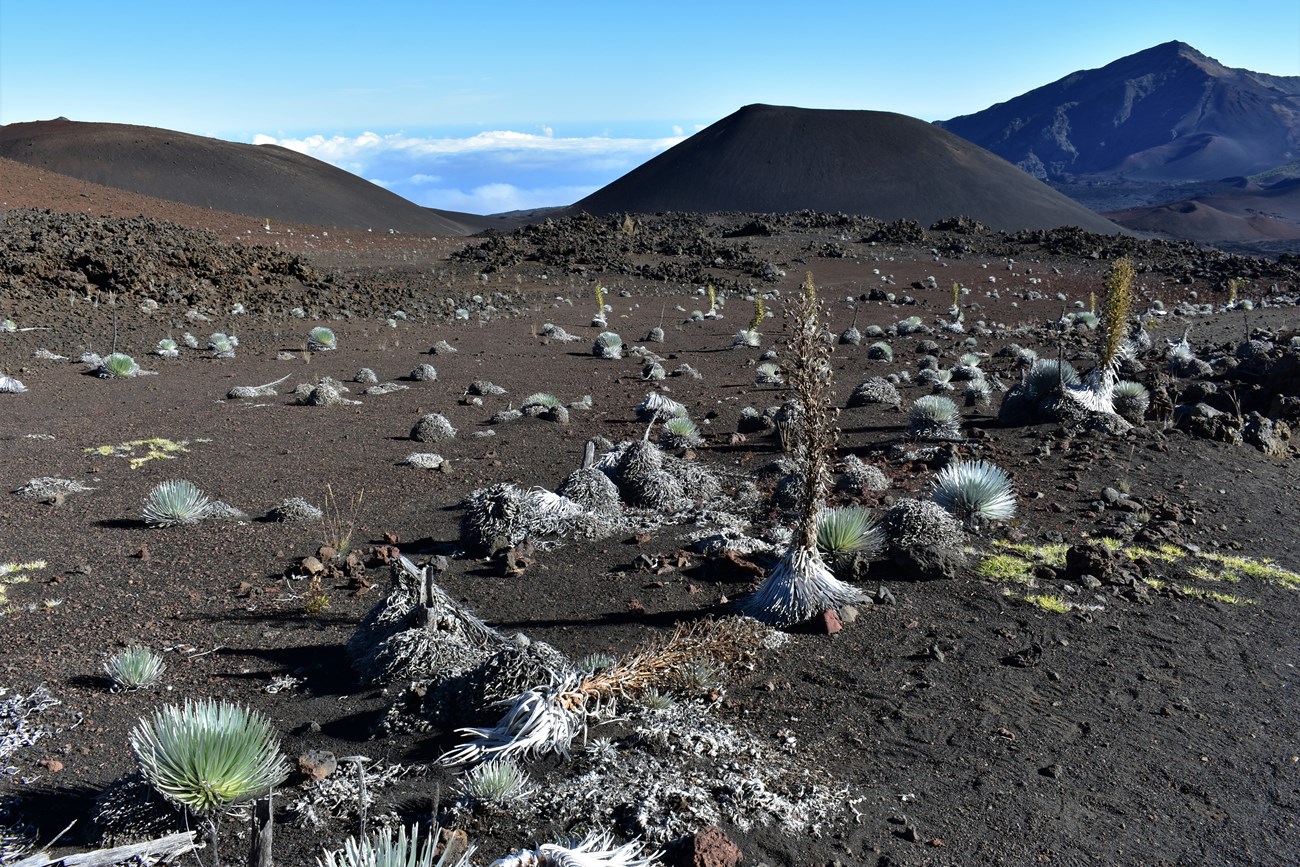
{"x": 775, "y": 159}
{"x": 1245, "y": 214}
{"x": 254, "y": 180}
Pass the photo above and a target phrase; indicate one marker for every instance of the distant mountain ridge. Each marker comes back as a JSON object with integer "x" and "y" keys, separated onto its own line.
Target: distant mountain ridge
{"x": 779, "y": 159}
{"x": 260, "y": 181}
{"x": 1169, "y": 113}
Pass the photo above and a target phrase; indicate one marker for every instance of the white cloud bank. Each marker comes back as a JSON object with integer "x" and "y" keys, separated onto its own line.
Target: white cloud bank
{"x": 486, "y": 173}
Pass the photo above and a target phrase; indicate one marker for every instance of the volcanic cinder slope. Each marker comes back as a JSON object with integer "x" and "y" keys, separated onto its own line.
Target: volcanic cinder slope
{"x": 1166, "y": 140}
{"x": 1168, "y": 113}
{"x": 261, "y": 181}
{"x": 776, "y": 159}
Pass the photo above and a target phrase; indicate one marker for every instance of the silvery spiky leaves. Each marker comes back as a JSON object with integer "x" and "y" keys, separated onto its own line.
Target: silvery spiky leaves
{"x": 442, "y": 347}
{"x": 190, "y": 340}
{"x": 388, "y": 848}
{"x": 208, "y": 754}
{"x": 934, "y": 418}
{"x": 912, "y": 325}
{"x": 880, "y": 351}
{"x": 321, "y": 339}
{"x": 134, "y": 668}
{"x": 851, "y": 336}
{"x": 222, "y": 345}
{"x": 799, "y": 587}
{"x": 167, "y": 348}
{"x": 978, "y": 392}
{"x": 768, "y": 373}
{"x": 8, "y": 326}
{"x": 607, "y": 345}
{"x": 174, "y": 503}
{"x": 9, "y": 385}
{"x": 431, "y": 428}
{"x": 656, "y": 335}
{"x": 596, "y": 850}
{"x": 1039, "y": 392}
{"x": 746, "y": 338}
{"x": 680, "y": 433}
{"x": 1097, "y": 394}
{"x": 875, "y": 390}
{"x": 1131, "y": 400}
{"x": 495, "y": 785}
{"x": 119, "y": 365}
{"x": 848, "y": 532}
{"x": 975, "y": 492}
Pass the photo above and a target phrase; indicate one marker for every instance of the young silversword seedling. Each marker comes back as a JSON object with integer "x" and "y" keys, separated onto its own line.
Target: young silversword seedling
{"x": 134, "y": 668}
{"x": 175, "y": 502}
{"x": 384, "y": 848}
{"x": 321, "y": 339}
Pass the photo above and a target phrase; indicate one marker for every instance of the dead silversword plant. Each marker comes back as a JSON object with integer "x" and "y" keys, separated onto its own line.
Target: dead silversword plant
{"x": 550, "y": 717}
{"x": 801, "y": 585}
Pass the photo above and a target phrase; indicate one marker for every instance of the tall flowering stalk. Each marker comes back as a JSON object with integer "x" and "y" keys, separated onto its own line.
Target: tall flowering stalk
{"x": 801, "y": 585}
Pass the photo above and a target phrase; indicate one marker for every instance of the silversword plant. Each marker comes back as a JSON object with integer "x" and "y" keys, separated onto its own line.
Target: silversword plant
{"x": 975, "y": 492}
{"x": 173, "y": 503}
{"x": 134, "y": 668}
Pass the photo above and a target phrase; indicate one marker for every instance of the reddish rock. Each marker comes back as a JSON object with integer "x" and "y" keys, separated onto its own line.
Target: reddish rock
{"x": 710, "y": 848}
{"x": 828, "y": 622}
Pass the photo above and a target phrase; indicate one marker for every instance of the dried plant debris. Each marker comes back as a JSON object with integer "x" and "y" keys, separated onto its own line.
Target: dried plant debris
{"x": 244, "y": 391}
{"x": 547, "y": 718}
{"x": 131, "y": 810}
{"x": 418, "y": 632}
{"x": 425, "y": 461}
{"x": 326, "y": 392}
{"x": 346, "y": 795}
{"x": 295, "y": 509}
{"x": 21, "y": 721}
{"x": 503, "y": 515}
{"x": 555, "y": 332}
{"x": 50, "y": 487}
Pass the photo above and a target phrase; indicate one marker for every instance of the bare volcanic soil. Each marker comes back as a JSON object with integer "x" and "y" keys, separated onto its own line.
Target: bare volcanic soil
{"x": 1036, "y": 696}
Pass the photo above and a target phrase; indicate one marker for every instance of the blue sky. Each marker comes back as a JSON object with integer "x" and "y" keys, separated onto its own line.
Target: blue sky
{"x": 488, "y": 107}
